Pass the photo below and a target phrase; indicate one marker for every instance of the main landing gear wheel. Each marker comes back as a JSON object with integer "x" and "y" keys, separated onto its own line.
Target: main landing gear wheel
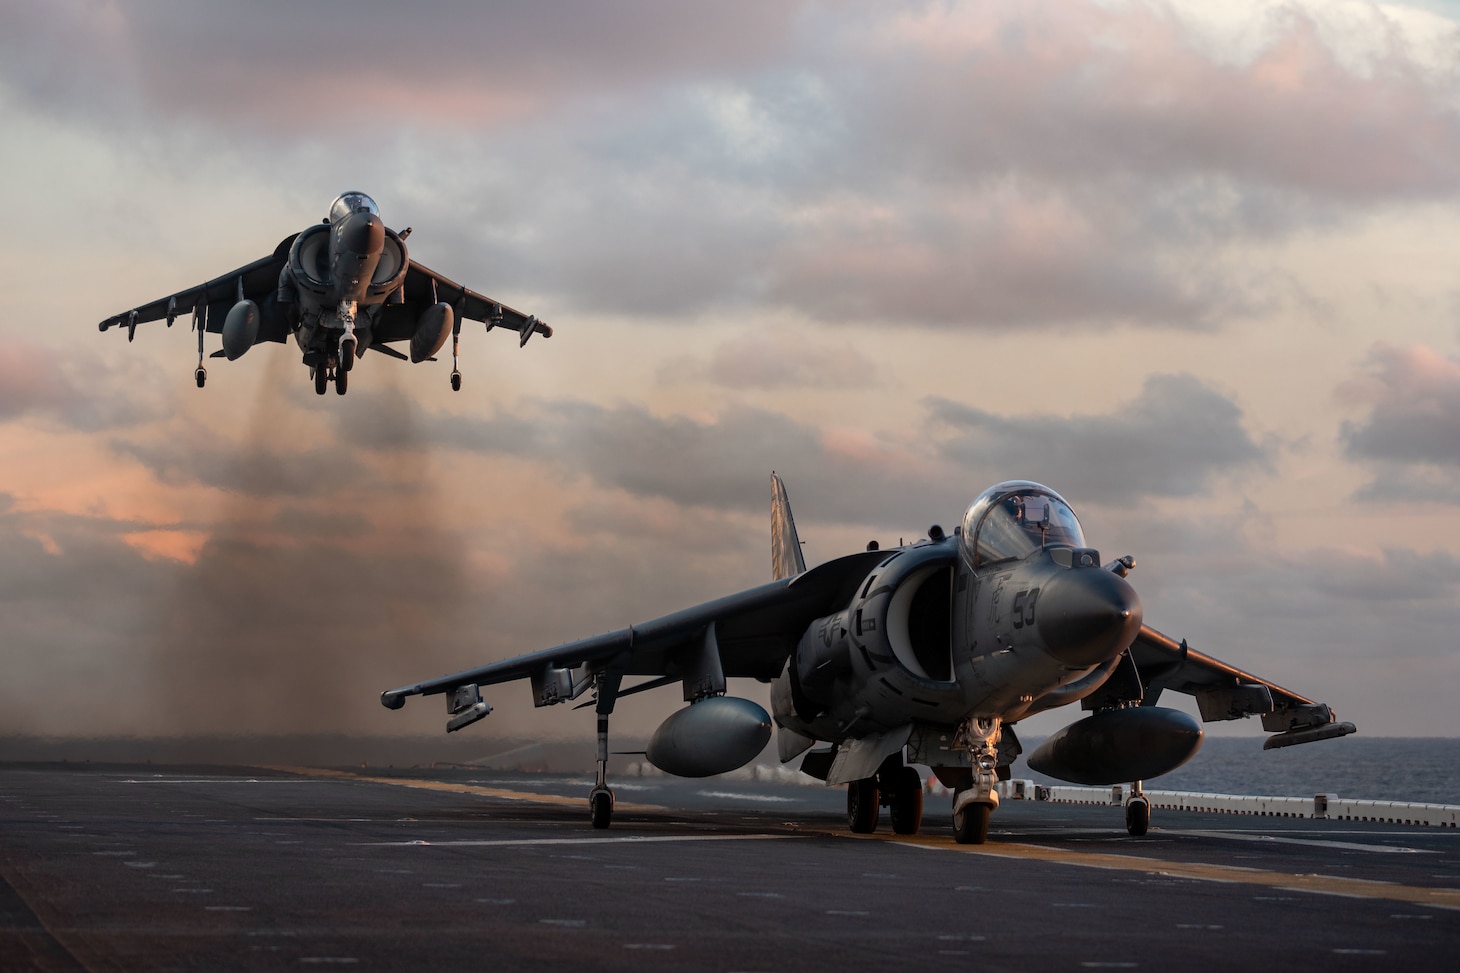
{"x": 863, "y": 805}
{"x": 342, "y": 381}
{"x": 907, "y": 801}
{"x": 971, "y": 824}
{"x": 321, "y": 380}
{"x": 600, "y": 806}
{"x": 1137, "y": 816}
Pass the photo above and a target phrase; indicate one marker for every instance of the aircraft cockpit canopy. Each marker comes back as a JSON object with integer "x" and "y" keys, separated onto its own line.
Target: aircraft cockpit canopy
{"x": 1016, "y": 518}
{"x": 352, "y": 202}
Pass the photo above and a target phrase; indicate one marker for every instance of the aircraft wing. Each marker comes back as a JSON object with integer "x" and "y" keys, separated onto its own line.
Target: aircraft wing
{"x": 260, "y": 282}
{"x": 1224, "y": 692}
{"x": 424, "y": 287}
{"x": 755, "y": 630}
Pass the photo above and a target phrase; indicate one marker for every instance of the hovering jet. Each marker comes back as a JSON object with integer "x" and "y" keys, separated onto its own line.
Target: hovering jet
{"x": 340, "y": 287}
{"x": 925, "y": 654}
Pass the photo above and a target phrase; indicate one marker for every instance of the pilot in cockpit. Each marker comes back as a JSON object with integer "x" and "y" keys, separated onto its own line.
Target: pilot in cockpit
{"x": 351, "y": 202}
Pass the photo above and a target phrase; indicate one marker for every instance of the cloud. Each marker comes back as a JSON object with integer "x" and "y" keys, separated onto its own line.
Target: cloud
{"x": 1173, "y": 440}
{"x": 275, "y": 65}
{"x": 82, "y": 390}
{"x": 1410, "y": 436}
{"x": 961, "y": 166}
{"x": 776, "y": 358}
{"x": 1413, "y": 394}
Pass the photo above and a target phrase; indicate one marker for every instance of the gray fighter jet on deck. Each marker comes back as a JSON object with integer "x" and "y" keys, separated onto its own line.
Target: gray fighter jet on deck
{"x": 923, "y": 654}
{"x": 340, "y": 288}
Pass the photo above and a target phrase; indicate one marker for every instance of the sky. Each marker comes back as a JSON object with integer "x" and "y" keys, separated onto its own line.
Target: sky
{"x": 1193, "y": 265}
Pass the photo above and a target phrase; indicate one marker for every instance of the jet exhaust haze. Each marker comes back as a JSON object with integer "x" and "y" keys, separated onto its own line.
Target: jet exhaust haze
{"x": 315, "y": 578}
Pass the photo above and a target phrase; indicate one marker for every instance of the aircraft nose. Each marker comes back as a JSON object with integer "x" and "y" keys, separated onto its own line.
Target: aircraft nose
{"x": 362, "y": 233}
{"x": 1088, "y": 616}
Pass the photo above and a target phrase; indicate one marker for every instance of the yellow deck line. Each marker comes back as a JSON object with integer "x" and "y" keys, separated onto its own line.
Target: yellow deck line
{"x": 1442, "y": 898}
{"x": 476, "y": 789}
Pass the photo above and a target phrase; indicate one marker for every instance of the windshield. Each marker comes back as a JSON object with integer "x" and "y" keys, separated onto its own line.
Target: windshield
{"x": 1017, "y": 518}
{"x": 352, "y": 202}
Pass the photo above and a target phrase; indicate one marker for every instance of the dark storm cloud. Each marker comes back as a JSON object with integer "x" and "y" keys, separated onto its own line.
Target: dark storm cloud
{"x": 1174, "y": 439}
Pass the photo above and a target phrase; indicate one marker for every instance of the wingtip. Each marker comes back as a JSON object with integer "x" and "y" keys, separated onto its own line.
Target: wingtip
{"x": 393, "y": 698}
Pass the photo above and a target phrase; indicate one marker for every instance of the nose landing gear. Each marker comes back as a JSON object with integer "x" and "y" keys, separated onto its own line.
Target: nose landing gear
{"x": 973, "y": 807}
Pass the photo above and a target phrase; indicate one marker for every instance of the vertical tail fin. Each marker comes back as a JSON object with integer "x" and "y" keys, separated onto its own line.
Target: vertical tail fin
{"x": 786, "y": 559}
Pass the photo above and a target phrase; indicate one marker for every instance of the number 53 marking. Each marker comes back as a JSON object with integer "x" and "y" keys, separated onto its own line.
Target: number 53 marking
{"x": 1023, "y": 607}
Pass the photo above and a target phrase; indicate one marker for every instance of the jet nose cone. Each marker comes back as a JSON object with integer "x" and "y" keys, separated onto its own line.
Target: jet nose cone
{"x": 1087, "y": 616}
{"x": 362, "y": 233}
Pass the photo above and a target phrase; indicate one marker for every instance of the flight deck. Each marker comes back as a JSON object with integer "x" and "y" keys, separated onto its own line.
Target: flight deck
{"x": 151, "y": 867}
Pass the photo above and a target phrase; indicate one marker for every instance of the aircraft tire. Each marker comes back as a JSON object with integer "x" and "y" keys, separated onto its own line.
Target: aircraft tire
{"x": 456, "y": 381}
{"x": 1138, "y": 817}
{"x": 347, "y": 355}
{"x": 971, "y": 825}
{"x": 201, "y": 376}
{"x": 342, "y": 381}
{"x": 907, "y": 801}
{"x": 600, "y": 805}
{"x": 863, "y": 805}
{"x": 321, "y": 381}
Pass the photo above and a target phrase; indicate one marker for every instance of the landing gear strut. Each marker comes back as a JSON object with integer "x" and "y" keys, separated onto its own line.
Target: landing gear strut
{"x": 600, "y": 798}
{"x": 456, "y": 347}
{"x": 973, "y": 807}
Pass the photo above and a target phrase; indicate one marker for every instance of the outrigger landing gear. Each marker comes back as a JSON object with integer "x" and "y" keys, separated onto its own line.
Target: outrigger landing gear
{"x": 456, "y": 349}
{"x": 200, "y": 323}
{"x": 1137, "y": 812}
{"x": 973, "y": 807}
{"x": 600, "y": 798}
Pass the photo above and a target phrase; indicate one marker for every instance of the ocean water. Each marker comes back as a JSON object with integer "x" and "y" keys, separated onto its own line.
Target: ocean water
{"x": 1420, "y": 769}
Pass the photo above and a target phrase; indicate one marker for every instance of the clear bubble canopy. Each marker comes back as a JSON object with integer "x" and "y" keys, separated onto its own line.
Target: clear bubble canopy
{"x": 352, "y": 202}
{"x": 1015, "y": 518}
